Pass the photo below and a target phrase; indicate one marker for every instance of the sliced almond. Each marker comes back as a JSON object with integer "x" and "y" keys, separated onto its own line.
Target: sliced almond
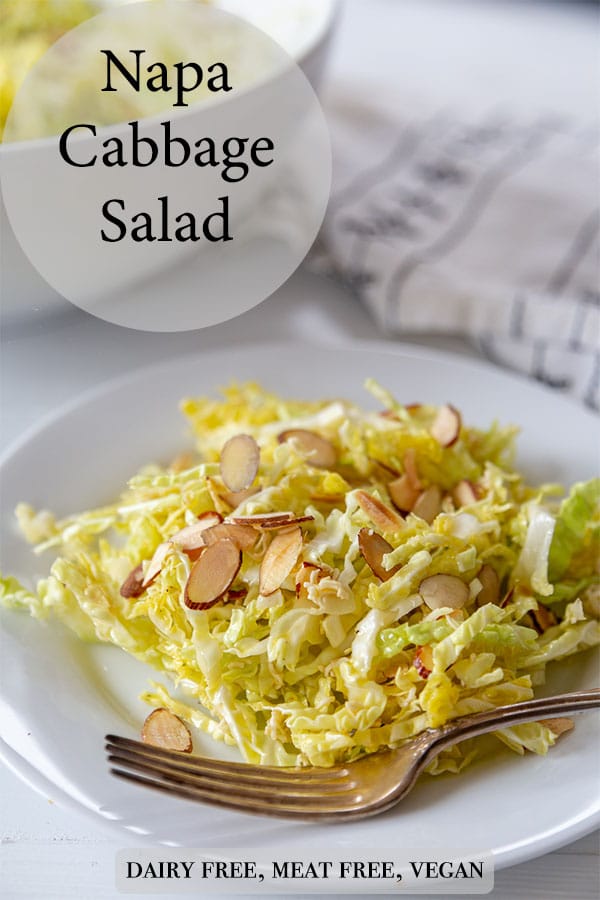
{"x": 543, "y": 618}
{"x": 164, "y": 729}
{"x": 212, "y": 574}
{"x": 295, "y": 520}
{"x": 423, "y": 661}
{"x": 234, "y": 498}
{"x": 446, "y": 426}
{"x": 243, "y": 536}
{"x": 373, "y": 548}
{"x": 490, "y": 586}
{"x": 527, "y": 621}
{"x": 382, "y": 517}
{"x": 260, "y": 520}
{"x": 402, "y": 493}
{"x": 320, "y": 452}
{"x": 428, "y": 504}
{"x": 507, "y": 598}
{"x": 279, "y": 560}
{"x": 194, "y": 555}
{"x": 191, "y": 537}
{"x": 410, "y": 468}
{"x": 412, "y": 407}
{"x": 559, "y": 726}
{"x": 444, "y": 590}
{"x": 387, "y": 471}
{"x": 235, "y": 594}
{"x": 210, "y": 517}
{"x": 271, "y": 521}
{"x": 464, "y": 493}
{"x": 240, "y": 458}
{"x": 304, "y": 575}
{"x": 133, "y": 585}
{"x": 156, "y": 563}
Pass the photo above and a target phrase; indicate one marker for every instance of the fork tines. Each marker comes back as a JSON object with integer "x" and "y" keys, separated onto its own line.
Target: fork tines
{"x": 307, "y": 793}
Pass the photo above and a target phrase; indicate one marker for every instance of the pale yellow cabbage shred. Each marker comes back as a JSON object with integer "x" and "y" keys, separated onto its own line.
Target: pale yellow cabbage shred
{"x": 328, "y": 675}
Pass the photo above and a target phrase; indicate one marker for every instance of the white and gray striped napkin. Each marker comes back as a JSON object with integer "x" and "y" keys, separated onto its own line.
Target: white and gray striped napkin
{"x": 482, "y": 225}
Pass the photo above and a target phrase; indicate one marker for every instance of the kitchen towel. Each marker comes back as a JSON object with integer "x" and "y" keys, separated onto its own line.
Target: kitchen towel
{"x": 466, "y": 179}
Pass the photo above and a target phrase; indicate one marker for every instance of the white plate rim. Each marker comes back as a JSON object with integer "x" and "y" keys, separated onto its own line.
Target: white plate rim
{"x": 397, "y": 348}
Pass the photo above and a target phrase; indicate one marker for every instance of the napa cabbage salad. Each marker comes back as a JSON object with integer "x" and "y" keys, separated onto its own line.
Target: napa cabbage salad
{"x": 323, "y": 582}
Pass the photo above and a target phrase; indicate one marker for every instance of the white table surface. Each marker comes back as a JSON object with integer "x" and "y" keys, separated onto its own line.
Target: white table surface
{"x": 49, "y": 852}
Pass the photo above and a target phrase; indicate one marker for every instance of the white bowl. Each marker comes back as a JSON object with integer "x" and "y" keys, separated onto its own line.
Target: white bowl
{"x": 302, "y": 27}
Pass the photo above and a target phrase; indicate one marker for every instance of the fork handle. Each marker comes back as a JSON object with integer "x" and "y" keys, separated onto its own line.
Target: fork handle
{"x": 506, "y": 716}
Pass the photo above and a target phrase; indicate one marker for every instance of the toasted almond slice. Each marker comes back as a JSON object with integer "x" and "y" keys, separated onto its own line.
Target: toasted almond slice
{"x": 279, "y": 560}
{"x": 243, "y": 536}
{"x": 192, "y": 536}
{"x": 410, "y": 468}
{"x": 195, "y": 553}
{"x": 444, "y": 590}
{"x": 464, "y": 493}
{"x": 527, "y": 621}
{"x": 260, "y": 520}
{"x": 271, "y": 521}
{"x": 507, "y": 598}
{"x": 295, "y": 520}
{"x": 207, "y": 520}
{"x": 240, "y": 458}
{"x": 304, "y": 574}
{"x": 446, "y": 426}
{"x": 543, "y": 618}
{"x": 386, "y": 470}
{"x": 234, "y": 498}
{"x": 490, "y": 586}
{"x": 156, "y": 563}
{"x": 212, "y": 574}
{"x": 321, "y": 452}
{"x": 133, "y": 585}
{"x": 423, "y": 661}
{"x": 382, "y": 517}
{"x": 412, "y": 407}
{"x": 210, "y": 517}
{"x": 428, "y": 504}
{"x": 388, "y": 414}
{"x": 373, "y": 548}
{"x": 558, "y": 726}
{"x": 164, "y": 729}
{"x": 402, "y": 493}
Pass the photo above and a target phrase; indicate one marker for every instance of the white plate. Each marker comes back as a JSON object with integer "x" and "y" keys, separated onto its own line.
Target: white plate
{"x": 59, "y": 697}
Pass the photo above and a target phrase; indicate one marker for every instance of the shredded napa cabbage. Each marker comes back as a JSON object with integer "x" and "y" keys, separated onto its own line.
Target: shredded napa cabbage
{"x": 350, "y": 660}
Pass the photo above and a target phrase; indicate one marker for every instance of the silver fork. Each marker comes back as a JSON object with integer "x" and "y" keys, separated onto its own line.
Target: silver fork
{"x": 362, "y": 788}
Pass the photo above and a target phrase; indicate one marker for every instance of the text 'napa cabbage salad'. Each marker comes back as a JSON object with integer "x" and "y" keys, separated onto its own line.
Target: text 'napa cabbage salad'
{"x": 324, "y": 582}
